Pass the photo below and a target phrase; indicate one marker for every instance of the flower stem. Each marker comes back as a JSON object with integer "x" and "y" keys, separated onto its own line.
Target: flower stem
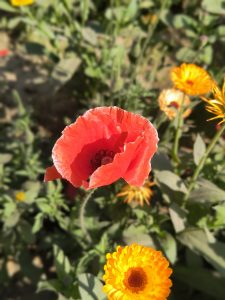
{"x": 81, "y": 216}
{"x": 202, "y": 162}
{"x": 178, "y": 131}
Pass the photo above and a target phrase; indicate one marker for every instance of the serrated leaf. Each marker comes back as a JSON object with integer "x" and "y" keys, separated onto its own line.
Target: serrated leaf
{"x": 197, "y": 241}
{"x": 199, "y": 149}
{"x": 90, "y": 287}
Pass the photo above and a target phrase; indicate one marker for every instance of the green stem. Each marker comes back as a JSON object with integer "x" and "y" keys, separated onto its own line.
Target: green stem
{"x": 202, "y": 162}
{"x": 81, "y": 216}
{"x": 178, "y": 131}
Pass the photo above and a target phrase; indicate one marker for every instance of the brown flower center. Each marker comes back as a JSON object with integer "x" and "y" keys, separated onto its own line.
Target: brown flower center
{"x": 189, "y": 82}
{"x": 135, "y": 279}
{"x": 174, "y": 104}
{"x": 102, "y": 157}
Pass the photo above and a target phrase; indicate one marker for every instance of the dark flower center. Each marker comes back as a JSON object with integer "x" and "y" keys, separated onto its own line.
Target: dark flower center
{"x": 135, "y": 279}
{"x": 102, "y": 157}
{"x": 190, "y": 82}
{"x": 174, "y": 104}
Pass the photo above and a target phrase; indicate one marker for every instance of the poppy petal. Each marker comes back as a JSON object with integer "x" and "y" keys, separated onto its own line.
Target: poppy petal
{"x": 111, "y": 172}
{"x": 75, "y": 137}
{"x": 140, "y": 166}
{"x": 51, "y": 174}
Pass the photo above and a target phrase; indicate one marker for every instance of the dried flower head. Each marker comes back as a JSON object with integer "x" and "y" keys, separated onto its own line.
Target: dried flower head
{"x": 191, "y": 79}
{"x": 140, "y": 195}
{"x": 170, "y": 101}
{"x": 216, "y": 105}
{"x": 136, "y": 272}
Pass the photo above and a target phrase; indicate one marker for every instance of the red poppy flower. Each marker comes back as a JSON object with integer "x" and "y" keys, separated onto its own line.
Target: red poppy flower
{"x": 4, "y": 52}
{"x": 103, "y": 145}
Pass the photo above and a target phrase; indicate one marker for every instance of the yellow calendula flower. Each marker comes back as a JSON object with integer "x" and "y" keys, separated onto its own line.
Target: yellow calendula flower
{"x": 191, "y": 79}
{"x": 20, "y": 196}
{"x": 137, "y": 272}
{"x": 21, "y": 2}
{"x": 170, "y": 101}
{"x": 137, "y": 194}
{"x": 216, "y": 105}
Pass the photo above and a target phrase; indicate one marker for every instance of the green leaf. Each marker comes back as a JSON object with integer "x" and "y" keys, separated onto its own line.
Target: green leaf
{"x": 38, "y": 222}
{"x": 63, "y": 266}
{"x": 185, "y": 54}
{"x": 220, "y": 215}
{"x": 178, "y": 217}
{"x": 7, "y": 7}
{"x": 221, "y": 31}
{"x": 26, "y": 232}
{"x": 5, "y": 158}
{"x": 169, "y": 246}
{"x": 63, "y": 72}
{"x": 130, "y": 11}
{"x": 199, "y": 149}
{"x": 84, "y": 261}
{"x": 32, "y": 189}
{"x": 207, "y": 192}
{"x": 215, "y": 6}
{"x": 202, "y": 280}
{"x": 161, "y": 162}
{"x": 90, "y": 287}
{"x": 137, "y": 234}
{"x": 197, "y": 241}
{"x": 206, "y": 55}
{"x": 171, "y": 180}
{"x": 181, "y": 21}
{"x": 90, "y": 36}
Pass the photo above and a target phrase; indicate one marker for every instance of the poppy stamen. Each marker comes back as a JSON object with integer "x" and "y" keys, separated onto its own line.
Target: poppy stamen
{"x": 102, "y": 157}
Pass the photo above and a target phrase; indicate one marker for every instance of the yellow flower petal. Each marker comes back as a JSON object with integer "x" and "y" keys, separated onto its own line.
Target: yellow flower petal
{"x": 191, "y": 79}
{"x": 21, "y": 2}
{"x": 216, "y": 106}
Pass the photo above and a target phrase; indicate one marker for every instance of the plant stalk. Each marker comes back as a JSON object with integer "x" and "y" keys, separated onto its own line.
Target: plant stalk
{"x": 82, "y": 213}
{"x": 178, "y": 132}
{"x": 202, "y": 161}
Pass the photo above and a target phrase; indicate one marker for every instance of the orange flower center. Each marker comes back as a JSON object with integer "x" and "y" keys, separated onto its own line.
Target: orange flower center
{"x": 102, "y": 157}
{"x": 189, "y": 82}
{"x": 135, "y": 279}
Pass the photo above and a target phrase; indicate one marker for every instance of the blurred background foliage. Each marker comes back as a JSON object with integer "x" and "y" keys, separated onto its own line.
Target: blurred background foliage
{"x": 67, "y": 56}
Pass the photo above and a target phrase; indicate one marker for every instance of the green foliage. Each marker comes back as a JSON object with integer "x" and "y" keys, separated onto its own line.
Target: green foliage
{"x": 83, "y": 54}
